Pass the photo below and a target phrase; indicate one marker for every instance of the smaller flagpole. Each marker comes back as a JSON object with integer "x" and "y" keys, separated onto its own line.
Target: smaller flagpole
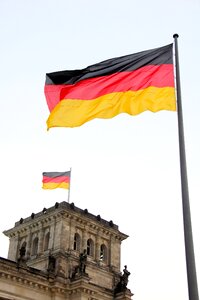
{"x": 189, "y": 248}
{"x": 69, "y": 185}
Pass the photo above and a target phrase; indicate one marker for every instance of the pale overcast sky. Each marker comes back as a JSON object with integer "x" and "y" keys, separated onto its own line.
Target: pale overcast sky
{"x": 127, "y": 168}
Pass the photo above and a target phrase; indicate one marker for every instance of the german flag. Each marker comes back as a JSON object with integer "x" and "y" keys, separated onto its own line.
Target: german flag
{"x": 129, "y": 84}
{"x": 53, "y": 180}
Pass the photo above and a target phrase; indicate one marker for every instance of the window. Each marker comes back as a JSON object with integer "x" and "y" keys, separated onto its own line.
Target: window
{"x": 22, "y": 250}
{"x": 103, "y": 253}
{"x": 35, "y": 246}
{"x": 46, "y": 241}
{"x": 23, "y": 245}
{"x": 77, "y": 241}
{"x": 90, "y": 247}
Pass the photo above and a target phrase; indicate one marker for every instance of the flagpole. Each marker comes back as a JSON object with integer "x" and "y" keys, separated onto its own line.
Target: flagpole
{"x": 189, "y": 248}
{"x": 69, "y": 185}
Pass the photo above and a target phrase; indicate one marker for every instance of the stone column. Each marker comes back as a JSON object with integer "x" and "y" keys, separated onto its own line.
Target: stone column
{"x": 84, "y": 241}
{"x": 52, "y": 233}
{"x": 28, "y": 245}
{"x": 65, "y": 235}
{"x": 70, "y": 245}
{"x": 41, "y": 240}
{"x": 115, "y": 253}
{"x": 13, "y": 248}
{"x": 97, "y": 248}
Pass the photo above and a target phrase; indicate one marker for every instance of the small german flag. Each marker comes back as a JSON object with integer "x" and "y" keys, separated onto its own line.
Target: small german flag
{"x": 53, "y": 180}
{"x": 128, "y": 84}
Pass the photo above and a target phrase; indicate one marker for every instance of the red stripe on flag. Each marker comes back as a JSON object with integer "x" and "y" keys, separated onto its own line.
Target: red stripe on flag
{"x": 56, "y": 179}
{"x": 151, "y": 75}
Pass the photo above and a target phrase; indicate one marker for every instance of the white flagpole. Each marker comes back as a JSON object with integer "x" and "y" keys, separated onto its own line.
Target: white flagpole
{"x": 69, "y": 185}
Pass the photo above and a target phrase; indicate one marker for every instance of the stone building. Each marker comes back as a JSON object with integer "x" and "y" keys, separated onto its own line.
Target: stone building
{"x": 64, "y": 252}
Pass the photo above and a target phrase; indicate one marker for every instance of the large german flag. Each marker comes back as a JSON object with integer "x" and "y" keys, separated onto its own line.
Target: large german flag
{"x": 53, "y": 180}
{"x": 129, "y": 84}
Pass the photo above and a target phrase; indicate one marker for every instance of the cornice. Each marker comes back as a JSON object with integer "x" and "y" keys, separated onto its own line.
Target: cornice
{"x": 65, "y": 211}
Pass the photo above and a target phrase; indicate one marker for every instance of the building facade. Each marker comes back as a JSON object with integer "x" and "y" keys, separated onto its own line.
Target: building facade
{"x": 64, "y": 252}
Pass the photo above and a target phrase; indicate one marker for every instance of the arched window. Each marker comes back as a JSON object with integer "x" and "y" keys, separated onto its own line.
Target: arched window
{"x": 22, "y": 250}
{"x": 90, "y": 247}
{"x": 23, "y": 245}
{"x": 103, "y": 253}
{"x": 46, "y": 241}
{"x": 35, "y": 246}
{"x": 77, "y": 242}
